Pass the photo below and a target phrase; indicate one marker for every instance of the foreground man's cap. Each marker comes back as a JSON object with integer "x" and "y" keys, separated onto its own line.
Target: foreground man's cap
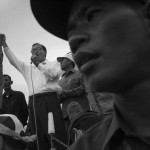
{"x": 53, "y": 15}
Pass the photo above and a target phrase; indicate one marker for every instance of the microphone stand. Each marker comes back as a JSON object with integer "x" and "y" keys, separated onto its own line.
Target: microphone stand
{"x": 53, "y": 138}
{"x": 51, "y": 132}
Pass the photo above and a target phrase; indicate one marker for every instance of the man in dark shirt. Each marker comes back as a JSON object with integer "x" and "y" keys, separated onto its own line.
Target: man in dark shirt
{"x": 72, "y": 85}
{"x": 14, "y": 101}
{"x": 110, "y": 43}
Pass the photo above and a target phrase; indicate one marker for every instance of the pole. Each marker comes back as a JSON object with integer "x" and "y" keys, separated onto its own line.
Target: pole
{"x": 1, "y": 70}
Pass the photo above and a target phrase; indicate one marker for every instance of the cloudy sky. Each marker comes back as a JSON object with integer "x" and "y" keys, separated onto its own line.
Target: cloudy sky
{"x": 21, "y": 29}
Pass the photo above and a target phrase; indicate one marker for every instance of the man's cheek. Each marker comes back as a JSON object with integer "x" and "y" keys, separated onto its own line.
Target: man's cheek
{"x": 116, "y": 33}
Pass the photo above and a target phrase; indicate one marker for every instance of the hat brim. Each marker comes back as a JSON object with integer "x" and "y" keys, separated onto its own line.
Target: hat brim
{"x": 52, "y": 15}
{"x": 60, "y": 59}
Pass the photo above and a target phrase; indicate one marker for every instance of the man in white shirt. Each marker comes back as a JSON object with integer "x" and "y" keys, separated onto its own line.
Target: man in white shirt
{"x": 42, "y": 80}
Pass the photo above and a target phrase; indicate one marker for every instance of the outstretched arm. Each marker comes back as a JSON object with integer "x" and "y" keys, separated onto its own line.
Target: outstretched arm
{"x": 18, "y": 64}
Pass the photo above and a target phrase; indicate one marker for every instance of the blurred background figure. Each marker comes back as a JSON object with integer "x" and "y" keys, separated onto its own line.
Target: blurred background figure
{"x": 14, "y": 102}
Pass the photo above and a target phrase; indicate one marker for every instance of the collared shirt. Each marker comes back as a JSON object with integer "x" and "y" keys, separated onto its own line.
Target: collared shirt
{"x": 73, "y": 84}
{"x": 15, "y": 104}
{"x": 43, "y": 78}
{"x": 111, "y": 135}
{"x": 71, "y": 80}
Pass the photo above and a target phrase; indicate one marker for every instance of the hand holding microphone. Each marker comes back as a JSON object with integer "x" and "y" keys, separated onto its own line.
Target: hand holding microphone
{"x": 34, "y": 60}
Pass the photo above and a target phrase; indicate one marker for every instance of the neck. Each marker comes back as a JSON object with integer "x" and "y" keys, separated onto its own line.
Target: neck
{"x": 7, "y": 91}
{"x": 69, "y": 68}
{"x": 134, "y": 106}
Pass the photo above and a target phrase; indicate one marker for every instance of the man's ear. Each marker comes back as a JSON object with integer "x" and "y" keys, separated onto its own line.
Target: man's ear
{"x": 11, "y": 82}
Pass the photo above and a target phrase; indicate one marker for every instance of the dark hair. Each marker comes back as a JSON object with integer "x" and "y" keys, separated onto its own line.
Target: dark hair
{"x": 6, "y": 75}
{"x": 43, "y": 47}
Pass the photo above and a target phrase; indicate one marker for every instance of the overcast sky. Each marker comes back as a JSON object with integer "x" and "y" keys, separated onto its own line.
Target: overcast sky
{"x": 21, "y": 29}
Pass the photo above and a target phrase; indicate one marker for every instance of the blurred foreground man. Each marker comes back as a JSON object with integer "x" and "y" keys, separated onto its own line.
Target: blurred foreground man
{"x": 110, "y": 43}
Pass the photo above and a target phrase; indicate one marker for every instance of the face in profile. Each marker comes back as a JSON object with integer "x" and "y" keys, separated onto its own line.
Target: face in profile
{"x": 65, "y": 63}
{"x": 109, "y": 43}
{"x": 7, "y": 82}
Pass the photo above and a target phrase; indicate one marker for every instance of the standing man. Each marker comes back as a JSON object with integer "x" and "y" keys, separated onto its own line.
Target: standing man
{"x": 42, "y": 80}
{"x": 72, "y": 84}
{"x": 110, "y": 43}
{"x": 14, "y": 101}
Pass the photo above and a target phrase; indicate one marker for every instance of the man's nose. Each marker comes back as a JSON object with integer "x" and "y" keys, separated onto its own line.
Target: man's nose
{"x": 34, "y": 55}
{"x": 76, "y": 41}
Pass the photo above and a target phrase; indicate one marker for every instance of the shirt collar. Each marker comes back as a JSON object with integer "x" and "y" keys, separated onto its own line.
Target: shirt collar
{"x": 118, "y": 123}
{"x": 44, "y": 62}
{"x": 114, "y": 126}
{"x": 11, "y": 92}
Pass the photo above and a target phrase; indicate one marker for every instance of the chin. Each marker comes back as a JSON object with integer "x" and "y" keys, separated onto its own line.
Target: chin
{"x": 102, "y": 83}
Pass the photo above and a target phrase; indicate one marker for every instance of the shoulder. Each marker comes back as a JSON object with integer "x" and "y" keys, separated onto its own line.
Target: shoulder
{"x": 18, "y": 93}
{"x": 94, "y": 137}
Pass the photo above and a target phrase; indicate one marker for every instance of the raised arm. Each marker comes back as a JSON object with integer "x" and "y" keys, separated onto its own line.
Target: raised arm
{"x": 18, "y": 64}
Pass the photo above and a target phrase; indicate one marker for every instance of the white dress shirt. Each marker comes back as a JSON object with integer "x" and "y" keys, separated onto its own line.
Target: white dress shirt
{"x": 43, "y": 78}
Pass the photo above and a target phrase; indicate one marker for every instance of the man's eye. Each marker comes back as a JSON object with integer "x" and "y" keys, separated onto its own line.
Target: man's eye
{"x": 92, "y": 13}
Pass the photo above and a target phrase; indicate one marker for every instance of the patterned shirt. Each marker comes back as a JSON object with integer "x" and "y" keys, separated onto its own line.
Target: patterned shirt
{"x": 73, "y": 86}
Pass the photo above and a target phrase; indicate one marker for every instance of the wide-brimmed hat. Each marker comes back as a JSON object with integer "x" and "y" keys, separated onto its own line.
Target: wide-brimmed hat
{"x": 53, "y": 15}
{"x": 68, "y": 56}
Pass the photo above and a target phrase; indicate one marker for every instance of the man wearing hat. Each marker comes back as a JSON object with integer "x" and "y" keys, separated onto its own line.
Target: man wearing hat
{"x": 72, "y": 85}
{"x": 110, "y": 43}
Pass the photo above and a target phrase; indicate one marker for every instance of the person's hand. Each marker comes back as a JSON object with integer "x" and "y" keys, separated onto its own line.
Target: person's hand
{"x": 35, "y": 60}
{"x": 4, "y": 44}
{"x": 62, "y": 95}
{"x": 1, "y": 57}
{"x": 1, "y": 39}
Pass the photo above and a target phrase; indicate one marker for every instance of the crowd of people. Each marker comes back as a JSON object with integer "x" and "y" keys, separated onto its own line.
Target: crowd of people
{"x": 110, "y": 43}
{"x": 99, "y": 90}
{"x": 54, "y": 86}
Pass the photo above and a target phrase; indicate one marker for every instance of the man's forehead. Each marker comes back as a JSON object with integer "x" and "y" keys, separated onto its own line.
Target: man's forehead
{"x": 6, "y": 77}
{"x": 83, "y": 5}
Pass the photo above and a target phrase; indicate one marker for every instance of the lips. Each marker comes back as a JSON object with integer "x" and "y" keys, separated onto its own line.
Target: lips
{"x": 83, "y": 58}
